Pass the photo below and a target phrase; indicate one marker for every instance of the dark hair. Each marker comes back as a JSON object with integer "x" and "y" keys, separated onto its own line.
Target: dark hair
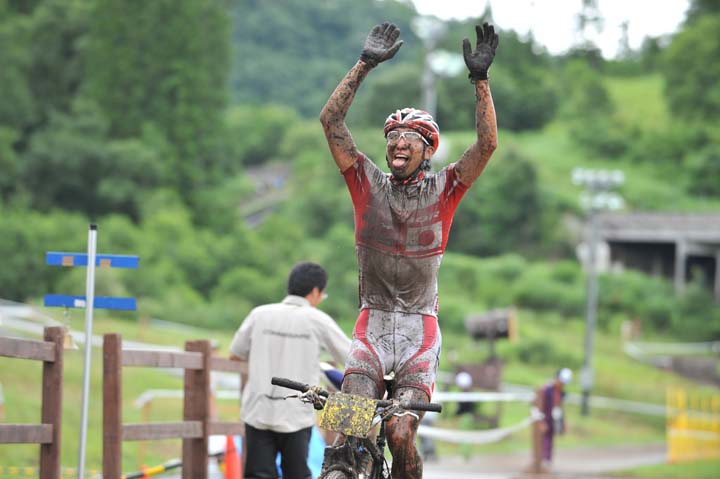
{"x": 306, "y": 276}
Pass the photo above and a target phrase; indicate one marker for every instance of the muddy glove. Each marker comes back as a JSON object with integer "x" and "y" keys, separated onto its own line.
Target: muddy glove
{"x": 381, "y": 44}
{"x": 478, "y": 62}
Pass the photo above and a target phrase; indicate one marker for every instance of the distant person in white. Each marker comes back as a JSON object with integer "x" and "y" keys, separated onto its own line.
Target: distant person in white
{"x": 284, "y": 339}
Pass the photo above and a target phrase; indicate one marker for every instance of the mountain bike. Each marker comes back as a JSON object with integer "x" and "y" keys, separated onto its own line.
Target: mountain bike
{"x": 359, "y": 456}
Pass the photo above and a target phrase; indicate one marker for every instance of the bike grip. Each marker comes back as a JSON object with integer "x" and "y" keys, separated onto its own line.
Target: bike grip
{"x": 290, "y": 384}
{"x": 297, "y": 386}
{"x": 422, "y": 406}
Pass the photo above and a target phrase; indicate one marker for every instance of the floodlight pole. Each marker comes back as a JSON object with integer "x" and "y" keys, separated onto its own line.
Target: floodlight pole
{"x": 598, "y": 185}
{"x": 586, "y": 377}
{"x": 429, "y": 87}
{"x": 430, "y": 30}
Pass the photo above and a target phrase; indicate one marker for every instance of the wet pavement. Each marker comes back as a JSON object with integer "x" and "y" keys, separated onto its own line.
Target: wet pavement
{"x": 577, "y": 463}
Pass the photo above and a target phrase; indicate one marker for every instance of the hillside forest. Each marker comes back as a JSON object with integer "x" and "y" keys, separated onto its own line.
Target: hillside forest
{"x": 187, "y": 130}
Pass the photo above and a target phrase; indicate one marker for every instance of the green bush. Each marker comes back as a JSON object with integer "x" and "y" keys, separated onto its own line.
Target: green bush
{"x": 539, "y": 351}
{"x": 25, "y": 237}
{"x": 452, "y": 314}
{"x": 638, "y": 296}
{"x": 704, "y": 170}
{"x": 698, "y": 317}
{"x": 502, "y": 212}
{"x": 539, "y": 289}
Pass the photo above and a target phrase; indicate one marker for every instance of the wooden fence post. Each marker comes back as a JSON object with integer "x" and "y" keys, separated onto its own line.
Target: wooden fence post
{"x": 197, "y": 408}
{"x": 112, "y": 406}
{"x": 52, "y": 382}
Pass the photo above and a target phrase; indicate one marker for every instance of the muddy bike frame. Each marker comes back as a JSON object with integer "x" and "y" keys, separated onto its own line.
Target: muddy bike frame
{"x": 355, "y": 417}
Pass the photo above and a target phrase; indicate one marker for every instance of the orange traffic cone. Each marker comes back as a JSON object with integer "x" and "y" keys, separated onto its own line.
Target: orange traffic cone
{"x": 233, "y": 469}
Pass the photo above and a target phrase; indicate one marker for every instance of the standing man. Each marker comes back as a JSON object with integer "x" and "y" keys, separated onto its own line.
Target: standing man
{"x": 284, "y": 339}
{"x": 402, "y": 222}
{"x": 554, "y": 417}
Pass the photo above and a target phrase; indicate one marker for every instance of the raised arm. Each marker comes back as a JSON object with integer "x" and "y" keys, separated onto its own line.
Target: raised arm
{"x": 381, "y": 44}
{"x": 476, "y": 157}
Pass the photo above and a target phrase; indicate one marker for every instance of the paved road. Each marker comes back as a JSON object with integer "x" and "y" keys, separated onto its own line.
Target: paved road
{"x": 585, "y": 463}
{"x": 578, "y": 463}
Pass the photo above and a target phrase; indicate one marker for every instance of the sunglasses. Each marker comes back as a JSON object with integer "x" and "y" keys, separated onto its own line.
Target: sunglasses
{"x": 394, "y": 136}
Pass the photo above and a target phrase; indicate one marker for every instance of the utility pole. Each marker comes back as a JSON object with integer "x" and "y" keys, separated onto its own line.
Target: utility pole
{"x": 430, "y": 30}
{"x": 597, "y": 196}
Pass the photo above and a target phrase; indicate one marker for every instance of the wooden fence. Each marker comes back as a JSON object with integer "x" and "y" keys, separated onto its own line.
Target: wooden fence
{"x": 47, "y": 434}
{"x": 198, "y": 362}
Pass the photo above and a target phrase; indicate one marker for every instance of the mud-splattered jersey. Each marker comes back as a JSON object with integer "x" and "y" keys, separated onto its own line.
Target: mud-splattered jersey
{"x": 400, "y": 235}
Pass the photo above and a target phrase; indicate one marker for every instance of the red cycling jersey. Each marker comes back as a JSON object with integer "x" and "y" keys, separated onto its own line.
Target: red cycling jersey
{"x": 401, "y": 230}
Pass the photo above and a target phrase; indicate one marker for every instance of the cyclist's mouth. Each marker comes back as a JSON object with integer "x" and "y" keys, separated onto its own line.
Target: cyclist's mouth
{"x": 399, "y": 161}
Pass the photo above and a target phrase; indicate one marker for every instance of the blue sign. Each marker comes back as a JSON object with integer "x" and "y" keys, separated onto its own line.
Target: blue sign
{"x": 54, "y": 258}
{"x": 101, "y": 302}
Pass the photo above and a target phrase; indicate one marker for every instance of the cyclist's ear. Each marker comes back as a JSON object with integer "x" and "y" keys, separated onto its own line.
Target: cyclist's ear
{"x": 428, "y": 152}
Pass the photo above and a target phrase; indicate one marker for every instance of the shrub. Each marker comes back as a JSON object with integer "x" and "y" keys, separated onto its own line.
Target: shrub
{"x": 704, "y": 172}
{"x": 538, "y": 351}
{"x": 538, "y": 289}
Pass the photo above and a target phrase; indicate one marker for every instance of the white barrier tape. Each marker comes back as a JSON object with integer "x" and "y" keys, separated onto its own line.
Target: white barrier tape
{"x": 620, "y": 405}
{"x": 471, "y": 437}
{"x": 637, "y": 354}
{"x": 673, "y": 348}
{"x": 441, "y": 396}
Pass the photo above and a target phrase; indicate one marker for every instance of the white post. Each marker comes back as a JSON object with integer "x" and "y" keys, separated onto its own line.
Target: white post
{"x": 89, "y": 301}
{"x": 586, "y": 378}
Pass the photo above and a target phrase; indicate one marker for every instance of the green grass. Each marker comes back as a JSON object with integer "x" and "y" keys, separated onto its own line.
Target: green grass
{"x": 705, "y": 469}
{"x": 554, "y": 155}
{"x": 616, "y": 376}
{"x": 639, "y": 101}
{"x": 21, "y": 388}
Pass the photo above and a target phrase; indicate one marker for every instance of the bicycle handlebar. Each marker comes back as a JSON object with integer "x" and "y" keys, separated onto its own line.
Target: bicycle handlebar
{"x": 409, "y": 405}
{"x": 297, "y": 386}
{"x": 422, "y": 406}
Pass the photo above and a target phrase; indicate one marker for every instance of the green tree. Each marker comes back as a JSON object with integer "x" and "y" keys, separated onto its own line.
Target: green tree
{"x": 521, "y": 79}
{"x": 524, "y": 99}
{"x": 691, "y": 66}
{"x": 17, "y": 108}
{"x": 26, "y": 236}
{"x": 501, "y": 212}
{"x": 295, "y": 52}
{"x": 9, "y": 162}
{"x": 590, "y": 112}
{"x": 57, "y": 69}
{"x": 66, "y": 160}
{"x": 701, "y": 8}
{"x": 163, "y": 62}
{"x": 704, "y": 167}
{"x": 256, "y": 132}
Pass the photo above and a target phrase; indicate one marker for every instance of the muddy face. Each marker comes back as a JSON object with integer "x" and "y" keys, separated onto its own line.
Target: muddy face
{"x": 405, "y": 155}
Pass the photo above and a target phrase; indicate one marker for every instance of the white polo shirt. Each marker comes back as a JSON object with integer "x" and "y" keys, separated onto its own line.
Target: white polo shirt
{"x": 285, "y": 340}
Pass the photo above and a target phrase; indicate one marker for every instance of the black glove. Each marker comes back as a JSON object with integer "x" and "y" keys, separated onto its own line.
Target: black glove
{"x": 478, "y": 62}
{"x": 381, "y": 44}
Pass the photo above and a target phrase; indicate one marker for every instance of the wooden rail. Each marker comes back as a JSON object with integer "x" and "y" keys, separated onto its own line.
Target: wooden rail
{"x": 197, "y": 361}
{"x": 47, "y": 434}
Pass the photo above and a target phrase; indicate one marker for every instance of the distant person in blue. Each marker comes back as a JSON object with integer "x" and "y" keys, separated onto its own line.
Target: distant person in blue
{"x": 554, "y": 421}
